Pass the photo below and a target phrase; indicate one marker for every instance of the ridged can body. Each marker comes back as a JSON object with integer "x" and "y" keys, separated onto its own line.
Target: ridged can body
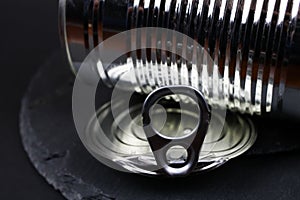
{"x": 254, "y": 44}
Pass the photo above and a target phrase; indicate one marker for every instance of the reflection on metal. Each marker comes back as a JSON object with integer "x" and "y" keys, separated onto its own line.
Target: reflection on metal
{"x": 129, "y": 148}
{"x": 234, "y": 52}
{"x": 188, "y": 146}
{"x": 251, "y": 43}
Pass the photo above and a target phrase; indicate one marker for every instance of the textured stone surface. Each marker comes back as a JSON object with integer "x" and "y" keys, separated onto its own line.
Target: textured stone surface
{"x": 50, "y": 139}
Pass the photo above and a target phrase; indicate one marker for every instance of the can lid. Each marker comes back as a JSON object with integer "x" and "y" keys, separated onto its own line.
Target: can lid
{"x": 128, "y": 149}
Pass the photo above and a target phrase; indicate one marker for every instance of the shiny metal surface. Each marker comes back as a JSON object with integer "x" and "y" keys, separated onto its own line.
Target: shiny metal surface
{"x": 252, "y": 42}
{"x": 252, "y": 47}
{"x": 128, "y": 147}
{"x": 163, "y": 146}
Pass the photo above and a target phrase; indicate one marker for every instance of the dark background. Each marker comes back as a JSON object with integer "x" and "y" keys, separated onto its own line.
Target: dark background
{"x": 28, "y": 36}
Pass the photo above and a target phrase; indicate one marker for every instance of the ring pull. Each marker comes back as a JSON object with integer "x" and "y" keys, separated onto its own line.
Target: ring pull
{"x": 189, "y": 144}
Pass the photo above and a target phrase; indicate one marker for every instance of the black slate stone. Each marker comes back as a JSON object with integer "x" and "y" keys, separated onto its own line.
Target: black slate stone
{"x": 269, "y": 170}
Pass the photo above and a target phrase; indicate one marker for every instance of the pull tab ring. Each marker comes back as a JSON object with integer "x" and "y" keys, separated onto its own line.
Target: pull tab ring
{"x": 192, "y": 142}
